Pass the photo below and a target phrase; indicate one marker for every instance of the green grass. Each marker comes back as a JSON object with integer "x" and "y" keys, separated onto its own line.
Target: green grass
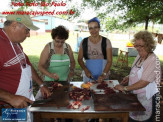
{"x": 34, "y": 45}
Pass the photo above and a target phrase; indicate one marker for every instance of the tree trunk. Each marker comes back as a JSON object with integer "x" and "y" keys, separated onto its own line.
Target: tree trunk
{"x": 152, "y": 26}
{"x": 146, "y": 23}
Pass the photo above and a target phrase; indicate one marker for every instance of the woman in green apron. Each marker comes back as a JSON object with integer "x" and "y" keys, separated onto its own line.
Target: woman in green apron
{"x": 57, "y": 61}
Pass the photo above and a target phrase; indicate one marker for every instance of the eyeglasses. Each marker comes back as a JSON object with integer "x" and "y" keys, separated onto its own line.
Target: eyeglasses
{"x": 27, "y": 30}
{"x": 92, "y": 28}
{"x": 136, "y": 46}
{"x": 58, "y": 41}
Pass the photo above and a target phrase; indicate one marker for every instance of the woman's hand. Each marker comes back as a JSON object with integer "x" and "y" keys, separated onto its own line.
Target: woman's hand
{"x": 101, "y": 78}
{"x": 125, "y": 80}
{"x": 54, "y": 76}
{"x": 88, "y": 73}
{"x": 119, "y": 87}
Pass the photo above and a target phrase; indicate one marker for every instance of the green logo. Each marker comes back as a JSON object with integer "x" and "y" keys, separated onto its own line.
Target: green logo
{"x": 18, "y": 19}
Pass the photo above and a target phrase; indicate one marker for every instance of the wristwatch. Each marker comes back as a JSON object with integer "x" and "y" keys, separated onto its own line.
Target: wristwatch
{"x": 104, "y": 73}
{"x": 125, "y": 88}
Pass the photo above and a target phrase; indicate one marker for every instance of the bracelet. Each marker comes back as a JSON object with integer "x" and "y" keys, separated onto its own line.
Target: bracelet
{"x": 42, "y": 85}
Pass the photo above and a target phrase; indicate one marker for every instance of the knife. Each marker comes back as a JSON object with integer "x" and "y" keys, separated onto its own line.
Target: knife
{"x": 40, "y": 102}
{"x": 93, "y": 79}
{"x": 43, "y": 101}
{"x": 92, "y": 94}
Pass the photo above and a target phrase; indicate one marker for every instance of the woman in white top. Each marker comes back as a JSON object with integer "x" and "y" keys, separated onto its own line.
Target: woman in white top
{"x": 144, "y": 76}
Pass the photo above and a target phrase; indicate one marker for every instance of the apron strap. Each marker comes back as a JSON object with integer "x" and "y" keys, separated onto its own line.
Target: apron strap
{"x": 66, "y": 49}
{"x": 15, "y": 51}
{"x": 52, "y": 51}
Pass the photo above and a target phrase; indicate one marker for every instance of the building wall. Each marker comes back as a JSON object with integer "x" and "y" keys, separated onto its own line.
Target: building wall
{"x": 49, "y": 24}
{"x": 1, "y": 25}
{"x": 52, "y": 22}
{"x": 39, "y": 24}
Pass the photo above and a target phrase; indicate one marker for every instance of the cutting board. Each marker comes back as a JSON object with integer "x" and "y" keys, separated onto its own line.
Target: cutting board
{"x": 111, "y": 84}
{"x": 117, "y": 102}
{"x": 59, "y": 98}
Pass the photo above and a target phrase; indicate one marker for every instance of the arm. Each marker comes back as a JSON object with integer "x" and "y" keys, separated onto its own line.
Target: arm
{"x": 148, "y": 74}
{"x": 16, "y": 101}
{"x": 125, "y": 80}
{"x": 44, "y": 90}
{"x": 81, "y": 63}
{"x": 42, "y": 63}
{"x": 72, "y": 63}
{"x": 109, "y": 60}
{"x": 108, "y": 64}
{"x": 138, "y": 85}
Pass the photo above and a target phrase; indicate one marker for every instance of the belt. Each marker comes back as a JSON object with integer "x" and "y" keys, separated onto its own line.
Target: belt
{"x": 4, "y": 106}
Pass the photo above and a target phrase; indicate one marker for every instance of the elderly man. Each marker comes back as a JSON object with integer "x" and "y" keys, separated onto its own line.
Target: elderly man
{"x": 16, "y": 71}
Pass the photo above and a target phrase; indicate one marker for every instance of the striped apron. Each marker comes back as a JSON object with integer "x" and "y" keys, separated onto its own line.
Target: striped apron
{"x": 59, "y": 64}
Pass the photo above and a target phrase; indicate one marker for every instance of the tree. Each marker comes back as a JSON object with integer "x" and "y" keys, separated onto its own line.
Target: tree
{"x": 127, "y": 13}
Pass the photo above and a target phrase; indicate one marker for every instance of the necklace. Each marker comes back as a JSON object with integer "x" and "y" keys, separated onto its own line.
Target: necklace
{"x": 140, "y": 61}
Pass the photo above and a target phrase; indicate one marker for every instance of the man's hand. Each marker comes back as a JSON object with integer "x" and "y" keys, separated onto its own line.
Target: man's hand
{"x": 45, "y": 92}
{"x": 18, "y": 101}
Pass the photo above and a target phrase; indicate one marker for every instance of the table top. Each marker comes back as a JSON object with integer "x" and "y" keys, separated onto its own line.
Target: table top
{"x": 85, "y": 103}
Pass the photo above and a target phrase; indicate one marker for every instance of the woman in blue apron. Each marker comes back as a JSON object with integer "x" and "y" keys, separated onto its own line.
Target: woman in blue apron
{"x": 97, "y": 52}
{"x": 57, "y": 61}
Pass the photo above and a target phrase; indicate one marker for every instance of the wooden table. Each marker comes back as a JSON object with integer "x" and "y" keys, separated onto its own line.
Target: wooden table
{"x": 39, "y": 115}
{"x": 63, "y": 112}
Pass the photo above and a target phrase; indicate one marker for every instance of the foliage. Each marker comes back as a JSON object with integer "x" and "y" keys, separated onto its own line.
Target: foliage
{"x": 115, "y": 14}
{"x": 112, "y": 24}
{"x": 129, "y": 12}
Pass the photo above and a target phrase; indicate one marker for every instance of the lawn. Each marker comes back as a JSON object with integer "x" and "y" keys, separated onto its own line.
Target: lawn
{"x": 34, "y": 45}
